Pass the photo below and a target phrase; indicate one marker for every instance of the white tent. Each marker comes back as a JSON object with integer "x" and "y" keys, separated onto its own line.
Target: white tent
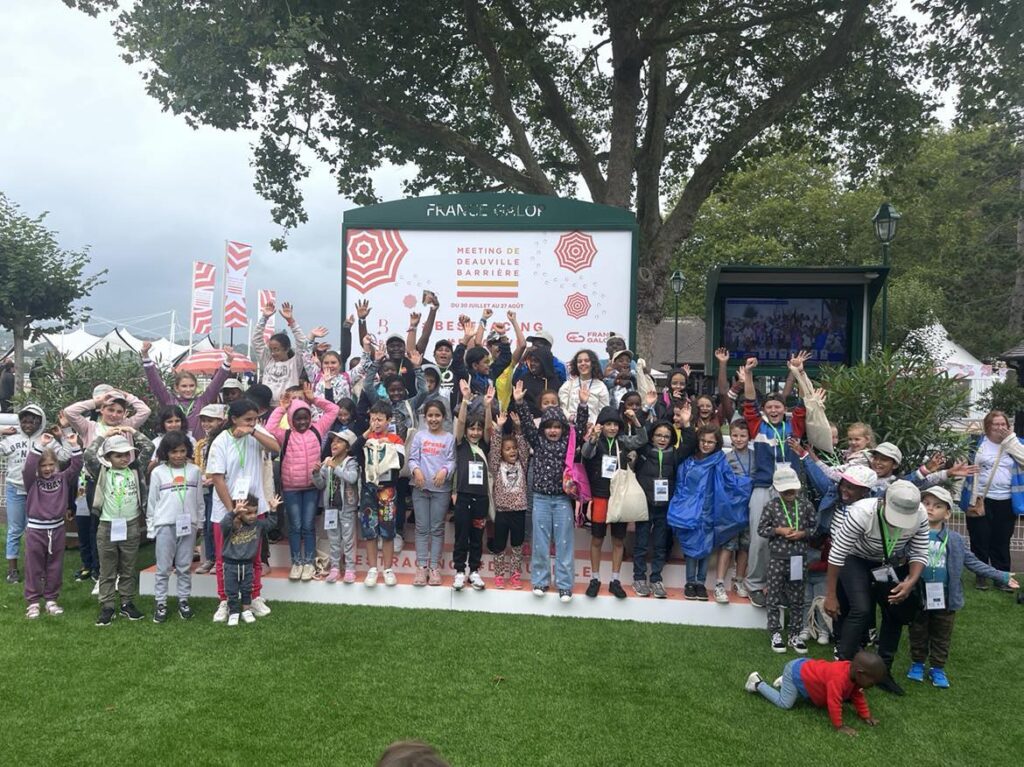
{"x": 166, "y": 353}
{"x": 117, "y": 341}
{"x": 72, "y": 344}
{"x": 960, "y": 364}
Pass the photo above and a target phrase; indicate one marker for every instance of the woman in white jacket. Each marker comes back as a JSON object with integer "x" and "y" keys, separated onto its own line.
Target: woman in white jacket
{"x": 584, "y": 373}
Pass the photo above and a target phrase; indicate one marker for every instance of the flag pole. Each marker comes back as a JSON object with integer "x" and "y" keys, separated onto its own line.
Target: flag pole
{"x": 191, "y": 310}
{"x": 223, "y": 293}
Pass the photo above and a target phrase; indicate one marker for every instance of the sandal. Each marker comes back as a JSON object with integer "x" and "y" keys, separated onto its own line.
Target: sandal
{"x": 52, "y": 608}
{"x": 32, "y": 612}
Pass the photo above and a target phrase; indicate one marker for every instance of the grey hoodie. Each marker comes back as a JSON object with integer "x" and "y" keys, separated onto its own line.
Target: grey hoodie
{"x": 17, "y": 445}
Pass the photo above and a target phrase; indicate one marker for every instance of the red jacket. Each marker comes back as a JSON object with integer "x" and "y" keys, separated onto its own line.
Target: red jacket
{"x": 828, "y": 684}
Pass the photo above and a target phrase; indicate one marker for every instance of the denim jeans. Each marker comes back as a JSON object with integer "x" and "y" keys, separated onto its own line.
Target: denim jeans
{"x": 552, "y": 521}
{"x": 208, "y": 547}
{"x": 301, "y": 508}
{"x": 696, "y": 570}
{"x": 786, "y": 695}
{"x": 431, "y": 508}
{"x": 15, "y": 520}
{"x": 651, "y": 536}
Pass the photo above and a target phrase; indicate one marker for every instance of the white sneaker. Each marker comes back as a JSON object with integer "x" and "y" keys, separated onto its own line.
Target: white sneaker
{"x": 222, "y": 613}
{"x": 259, "y": 607}
{"x": 371, "y": 577}
{"x": 823, "y": 638}
{"x": 721, "y": 595}
{"x": 752, "y": 682}
{"x": 805, "y": 636}
{"x": 307, "y": 572}
{"x": 295, "y": 573}
{"x": 399, "y": 543}
{"x": 539, "y": 592}
{"x": 390, "y": 579}
{"x": 248, "y": 617}
{"x": 476, "y": 581}
{"x": 459, "y": 582}
{"x": 233, "y": 619}
{"x": 96, "y": 588}
{"x": 777, "y": 684}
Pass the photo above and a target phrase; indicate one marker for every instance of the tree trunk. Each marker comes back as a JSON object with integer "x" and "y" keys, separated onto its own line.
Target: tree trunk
{"x": 645, "y": 339}
{"x": 1016, "y": 319}
{"x": 19, "y": 357}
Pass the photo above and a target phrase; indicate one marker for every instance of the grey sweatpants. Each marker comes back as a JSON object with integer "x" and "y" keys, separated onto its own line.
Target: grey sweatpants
{"x": 344, "y": 535}
{"x": 431, "y": 508}
{"x": 173, "y": 553}
{"x": 757, "y": 563}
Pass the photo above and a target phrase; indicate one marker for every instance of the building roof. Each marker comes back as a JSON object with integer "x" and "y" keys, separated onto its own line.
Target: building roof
{"x": 1016, "y": 353}
{"x": 691, "y": 342}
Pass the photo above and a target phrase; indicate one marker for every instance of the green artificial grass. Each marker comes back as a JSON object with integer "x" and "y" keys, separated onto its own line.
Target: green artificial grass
{"x": 334, "y": 685}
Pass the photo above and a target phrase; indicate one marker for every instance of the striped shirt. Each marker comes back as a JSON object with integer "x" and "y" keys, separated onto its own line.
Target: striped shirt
{"x": 860, "y": 535}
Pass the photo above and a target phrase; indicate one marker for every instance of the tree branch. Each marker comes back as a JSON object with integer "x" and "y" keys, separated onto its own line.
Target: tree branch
{"x": 501, "y": 98}
{"x": 556, "y": 108}
{"x": 698, "y": 28}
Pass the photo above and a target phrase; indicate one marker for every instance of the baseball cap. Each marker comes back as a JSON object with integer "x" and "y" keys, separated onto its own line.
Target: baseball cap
{"x": 785, "y": 479}
{"x": 903, "y": 505}
{"x": 861, "y": 476}
{"x": 214, "y": 411}
{"x": 346, "y": 434}
{"x": 443, "y": 342}
{"x": 115, "y": 444}
{"x": 232, "y": 383}
{"x": 621, "y": 352}
{"x": 395, "y": 336}
{"x": 940, "y": 493}
{"x": 540, "y": 335}
{"x": 889, "y": 450}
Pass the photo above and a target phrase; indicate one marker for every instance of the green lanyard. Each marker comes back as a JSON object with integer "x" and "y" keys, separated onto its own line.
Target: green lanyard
{"x": 661, "y": 460}
{"x": 794, "y": 520}
{"x": 935, "y": 557}
{"x": 779, "y": 439}
{"x": 241, "y": 450}
{"x": 188, "y": 410}
{"x": 611, "y": 445}
{"x": 888, "y": 541}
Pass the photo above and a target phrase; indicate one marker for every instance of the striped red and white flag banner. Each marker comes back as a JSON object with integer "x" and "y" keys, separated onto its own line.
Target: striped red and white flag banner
{"x": 267, "y": 297}
{"x": 236, "y": 269}
{"x": 204, "y": 276}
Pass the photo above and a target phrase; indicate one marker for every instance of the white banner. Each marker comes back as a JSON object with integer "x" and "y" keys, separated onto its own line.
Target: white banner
{"x": 574, "y": 285}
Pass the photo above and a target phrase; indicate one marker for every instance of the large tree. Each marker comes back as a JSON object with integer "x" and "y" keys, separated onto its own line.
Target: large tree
{"x": 627, "y": 102}
{"x": 40, "y": 282}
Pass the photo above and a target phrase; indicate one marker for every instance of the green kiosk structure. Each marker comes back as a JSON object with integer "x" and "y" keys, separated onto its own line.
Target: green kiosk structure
{"x": 563, "y": 266}
{"x": 770, "y": 313}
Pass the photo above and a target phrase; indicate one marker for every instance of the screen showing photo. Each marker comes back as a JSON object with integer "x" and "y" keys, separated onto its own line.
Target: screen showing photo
{"x": 772, "y": 329}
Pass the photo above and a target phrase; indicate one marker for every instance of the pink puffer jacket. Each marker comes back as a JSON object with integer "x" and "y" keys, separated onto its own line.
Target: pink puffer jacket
{"x": 303, "y": 450}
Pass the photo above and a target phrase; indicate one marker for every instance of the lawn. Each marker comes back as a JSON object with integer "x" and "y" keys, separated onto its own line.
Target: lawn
{"x": 334, "y": 685}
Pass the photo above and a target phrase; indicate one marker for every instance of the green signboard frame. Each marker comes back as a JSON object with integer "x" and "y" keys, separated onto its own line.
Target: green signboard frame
{"x": 494, "y": 212}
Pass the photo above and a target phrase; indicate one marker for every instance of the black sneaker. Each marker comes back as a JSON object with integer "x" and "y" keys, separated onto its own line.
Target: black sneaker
{"x": 757, "y": 598}
{"x": 889, "y": 685}
{"x": 106, "y": 616}
{"x": 594, "y": 587}
{"x": 160, "y": 616}
{"x": 616, "y": 588}
{"x": 702, "y": 592}
{"x": 131, "y": 612}
{"x": 83, "y": 575}
{"x": 184, "y": 610}
{"x": 690, "y": 591}
{"x": 12, "y": 576}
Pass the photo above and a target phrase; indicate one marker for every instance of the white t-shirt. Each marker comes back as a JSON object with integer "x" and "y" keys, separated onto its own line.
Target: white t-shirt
{"x": 986, "y": 458}
{"x": 238, "y": 460}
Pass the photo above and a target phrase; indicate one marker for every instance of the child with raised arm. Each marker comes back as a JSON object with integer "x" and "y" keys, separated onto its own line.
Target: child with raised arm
{"x": 48, "y": 489}
{"x": 508, "y": 459}
{"x": 173, "y": 515}
{"x": 241, "y": 529}
{"x": 471, "y": 494}
{"x": 552, "y": 509}
{"x": 741, "y": 461}
{"x": 383, "y": 459}
{"x": 827, "y": 684}
{"x": 338, "y": 477}
{"x": 432, "y": 462}
{"x": 185, "y": 388}
{"x": 280, "y": 365}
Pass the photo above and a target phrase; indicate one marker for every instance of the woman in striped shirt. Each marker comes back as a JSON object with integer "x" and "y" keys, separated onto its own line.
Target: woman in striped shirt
{"x": 878, "y": 553}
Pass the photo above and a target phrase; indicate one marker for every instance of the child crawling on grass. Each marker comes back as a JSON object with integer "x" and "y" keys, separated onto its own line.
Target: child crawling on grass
{"x": 827, "y": 684}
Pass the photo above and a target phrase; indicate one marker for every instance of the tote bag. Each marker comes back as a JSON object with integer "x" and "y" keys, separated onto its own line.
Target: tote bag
{"x": 575, "y": 483}
{"x": 626, "y": 501}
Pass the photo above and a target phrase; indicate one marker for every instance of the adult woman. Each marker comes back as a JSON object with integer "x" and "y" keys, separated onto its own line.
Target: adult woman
{"x": 990, "y": 522}
{"x": 584, "y": 372}
{"x": 879, "y": 549}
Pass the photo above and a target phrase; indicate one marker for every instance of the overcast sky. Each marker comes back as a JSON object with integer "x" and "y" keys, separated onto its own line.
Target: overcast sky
{"x": 147, "y": 193}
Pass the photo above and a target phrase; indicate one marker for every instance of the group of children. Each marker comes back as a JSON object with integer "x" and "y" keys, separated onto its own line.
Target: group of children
{"x": 507, "y": 440}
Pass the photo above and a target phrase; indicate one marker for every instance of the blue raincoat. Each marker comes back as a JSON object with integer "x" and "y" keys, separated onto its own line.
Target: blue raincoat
{"x": 709, "y": 506}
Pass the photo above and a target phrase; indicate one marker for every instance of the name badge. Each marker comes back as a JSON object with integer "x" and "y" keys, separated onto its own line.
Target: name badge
{"x": 476, "y": 472}
{"x": 183, "y": 525}
{"x": 81, "y": 506}
{"x": 609, "y": 465}
{"x": 934, "y": 596}
{"x": 330, "y": 519}
{"x": 881, "y": 575}
{"x": 796, "y": 568}
{"x": 118, "y": 530}
{"x": 240, "y": 489}
{"x": 660, "y": 490}
{"x": 783, "y": 465}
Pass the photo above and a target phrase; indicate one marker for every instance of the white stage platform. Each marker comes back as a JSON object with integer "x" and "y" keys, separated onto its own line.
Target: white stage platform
{"x": 739, "y": 613}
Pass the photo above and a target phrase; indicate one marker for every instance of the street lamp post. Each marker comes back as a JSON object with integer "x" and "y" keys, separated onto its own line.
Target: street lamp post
{"x": 676, "y": 281}
{"x": 885, "y": 220}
